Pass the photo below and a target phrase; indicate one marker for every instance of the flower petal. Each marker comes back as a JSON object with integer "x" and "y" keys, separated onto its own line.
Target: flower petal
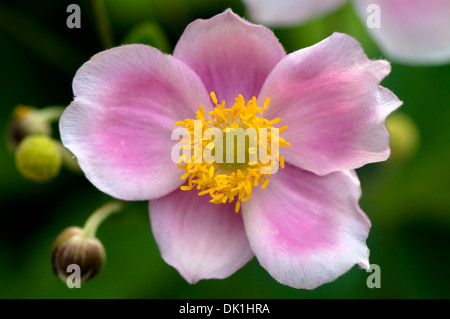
{"x": 306, "y": 230}
{"x": 127, "y": 100}
{"x": 231, "y": 55}
{"x": 410, "y": 31}
{"x": 288, "y": 12}
{"x": 200, "y": 239}
{"x": 330, "y": 97}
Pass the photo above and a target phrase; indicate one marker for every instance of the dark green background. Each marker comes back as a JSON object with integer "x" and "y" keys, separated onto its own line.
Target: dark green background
{"x": 407, "y": 200}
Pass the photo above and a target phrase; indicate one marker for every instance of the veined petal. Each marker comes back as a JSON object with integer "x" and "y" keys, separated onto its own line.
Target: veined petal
{"x": 127, "y": 100}
{"x": 410, "y": 31}
{"x": 288, "y": 12}
{"x": 307, "y": 230}
{"x": 231, "y": 55}
{"x": 200, "y": 239}
{"x": 329, "y": 96}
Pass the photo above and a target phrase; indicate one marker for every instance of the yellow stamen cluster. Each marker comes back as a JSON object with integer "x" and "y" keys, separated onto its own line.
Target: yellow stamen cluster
{"x": 226, "y": 182}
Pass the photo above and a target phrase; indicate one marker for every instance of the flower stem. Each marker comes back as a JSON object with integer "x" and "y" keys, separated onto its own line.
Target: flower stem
{"x": 103, "y": 23}
{"x": 69, "y": 160}
{"x": 51, "y": 114}
{"x": 91, "y": 225}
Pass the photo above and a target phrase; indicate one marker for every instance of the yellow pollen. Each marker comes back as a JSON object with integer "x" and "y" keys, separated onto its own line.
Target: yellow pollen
{"x": 231, "y": 176}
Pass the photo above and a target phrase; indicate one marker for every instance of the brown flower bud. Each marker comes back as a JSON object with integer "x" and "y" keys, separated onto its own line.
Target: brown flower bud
{"x": 71, "y": 247}
{"x": 26, "y": 121}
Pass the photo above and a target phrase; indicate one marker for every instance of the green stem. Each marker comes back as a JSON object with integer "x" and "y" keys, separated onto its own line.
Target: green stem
{"x": 69, "y": 160}
{"x": 103, "y": 24}
{"x": 51, "y": 113}
{"x": 91, "y": 225}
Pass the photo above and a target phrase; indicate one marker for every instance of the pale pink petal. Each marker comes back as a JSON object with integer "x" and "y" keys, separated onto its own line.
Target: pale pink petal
{"x": 119, "y": 125}
{"x": 231, "y": 55}
{"x": 330, "y": 97}
{"x": 200, "y": 239}
{"x": 410, "y": 31}
{"x": 288, "y": 12}
{"x": 307, "y": 230}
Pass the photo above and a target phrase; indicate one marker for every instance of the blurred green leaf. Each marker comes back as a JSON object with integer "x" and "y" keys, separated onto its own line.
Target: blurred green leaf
{"x": 150, "y": 33}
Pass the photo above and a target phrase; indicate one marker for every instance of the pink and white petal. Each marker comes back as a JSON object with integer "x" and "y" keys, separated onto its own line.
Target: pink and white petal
{"x": 200, "y": 239}
{"x": 411, "y": 31}
{"x": 127, "y": 100}
{"x": 330, "y": 97}
{"x": 288, "y": 12}
{"x": 307, "y": 230}
{"x": 231, "y": 55}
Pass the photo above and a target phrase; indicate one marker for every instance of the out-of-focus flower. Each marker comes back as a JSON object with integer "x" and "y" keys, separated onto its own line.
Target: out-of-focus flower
{"x": 305, "y": 227}
{"x": 288, "y": 12}
{"x": 410, "y": 31}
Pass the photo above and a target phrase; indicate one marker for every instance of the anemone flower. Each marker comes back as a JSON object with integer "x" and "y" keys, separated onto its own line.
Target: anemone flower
{"x": 305, "y": 227}
{"x": 409, "y": 31}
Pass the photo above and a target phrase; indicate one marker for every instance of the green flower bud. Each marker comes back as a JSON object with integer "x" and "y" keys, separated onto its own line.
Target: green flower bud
{"x": 73, "y": 247}
{"x": 38, "y": 158}
{"x": 405, "y": 136}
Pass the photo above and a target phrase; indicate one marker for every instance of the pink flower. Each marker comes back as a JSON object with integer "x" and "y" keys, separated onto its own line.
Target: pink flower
{"x": 305, "y": 227}
{"x": 410, "y": 31}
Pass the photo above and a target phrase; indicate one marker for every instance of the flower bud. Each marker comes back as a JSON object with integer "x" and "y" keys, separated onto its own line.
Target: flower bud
{"x": 26, "y": 120}
{"x": 405, "y": 136}
{"x": 72, "y": 247}
{"x": 38, "y": 158}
